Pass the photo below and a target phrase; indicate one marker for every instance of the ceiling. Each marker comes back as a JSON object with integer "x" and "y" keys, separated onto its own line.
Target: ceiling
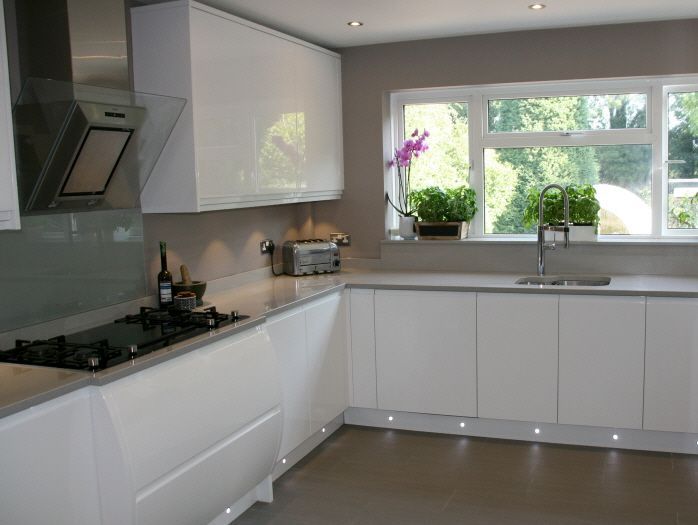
{"x": 325, "y": 21}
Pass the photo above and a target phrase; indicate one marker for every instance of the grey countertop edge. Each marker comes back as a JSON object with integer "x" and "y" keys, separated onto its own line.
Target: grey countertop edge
{"x": 46, "y": 395}
{"x": 352, "y": 279}
{"x": 528, "y": 289}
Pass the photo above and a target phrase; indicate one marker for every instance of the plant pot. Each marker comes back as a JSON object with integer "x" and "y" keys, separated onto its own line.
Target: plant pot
{"x": 583, "y": 233}
{"x": 406, "y": 228}
{"x": 442, "y": 230}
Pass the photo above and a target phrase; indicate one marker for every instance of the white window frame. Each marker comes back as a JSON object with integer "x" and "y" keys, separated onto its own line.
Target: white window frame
{"x": 656, "y": 90}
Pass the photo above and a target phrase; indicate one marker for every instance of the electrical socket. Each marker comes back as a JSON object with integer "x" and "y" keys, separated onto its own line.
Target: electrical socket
{"x": 341, "y": 239}
{"x": 266, "y": 246}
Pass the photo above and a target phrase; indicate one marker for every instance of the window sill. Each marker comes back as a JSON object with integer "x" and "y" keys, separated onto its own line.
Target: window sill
{"x": 530, "y": 239}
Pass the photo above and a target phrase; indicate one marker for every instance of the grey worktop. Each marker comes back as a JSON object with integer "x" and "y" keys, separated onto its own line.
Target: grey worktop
{"x": 24, "y": 386}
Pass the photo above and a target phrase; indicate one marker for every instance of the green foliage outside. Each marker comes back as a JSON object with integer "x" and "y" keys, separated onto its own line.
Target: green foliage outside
{"x": 683, "y": 146}
{"x": 583, "y": 206}
{"x": 447, "y": 163}
{"x": 434, "y": 204}
{"x": 511, "y": 174}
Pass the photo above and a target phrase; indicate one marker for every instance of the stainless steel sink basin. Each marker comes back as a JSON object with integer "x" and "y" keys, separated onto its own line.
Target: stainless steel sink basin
{"x": 565, "y": 280}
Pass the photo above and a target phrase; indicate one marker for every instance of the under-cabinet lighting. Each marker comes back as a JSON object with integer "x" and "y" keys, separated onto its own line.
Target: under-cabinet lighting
{"x": 462, "y": 424}
{"x": 615, "y": 437}
{"x": 323, "y": 429}
{"x": 227, "y": 511}
{"x": 537, "y": 7}
{"x": 390, "y": 418}
{"x": 283, "y": 461}
{"x": 536, "y": 430}
{"x": 355, "y": 23}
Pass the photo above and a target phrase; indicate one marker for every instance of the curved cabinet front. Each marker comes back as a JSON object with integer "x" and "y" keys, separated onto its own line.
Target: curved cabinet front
{"x": 195, "y": 433}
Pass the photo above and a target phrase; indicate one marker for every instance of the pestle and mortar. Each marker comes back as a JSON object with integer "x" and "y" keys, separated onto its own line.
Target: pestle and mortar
{"x": 187, "y": 285}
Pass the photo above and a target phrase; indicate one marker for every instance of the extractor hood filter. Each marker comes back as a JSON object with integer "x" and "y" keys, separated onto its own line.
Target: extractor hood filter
{"x": 84, "y": 148}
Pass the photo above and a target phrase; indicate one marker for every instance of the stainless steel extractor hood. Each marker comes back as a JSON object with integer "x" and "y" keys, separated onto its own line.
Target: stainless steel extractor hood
{"x": 83, "y": 148}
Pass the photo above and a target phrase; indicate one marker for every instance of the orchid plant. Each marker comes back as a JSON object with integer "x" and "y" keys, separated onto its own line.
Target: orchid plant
{"x": 411, "y": 149}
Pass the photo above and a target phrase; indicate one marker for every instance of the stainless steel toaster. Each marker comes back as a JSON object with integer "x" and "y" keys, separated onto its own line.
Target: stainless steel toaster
{"x": 309, "y": 256}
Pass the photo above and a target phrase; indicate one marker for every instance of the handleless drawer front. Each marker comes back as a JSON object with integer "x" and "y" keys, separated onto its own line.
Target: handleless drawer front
{"x": 517, "y": 357}
{"x": 170, "y": 413}
{"x": 602, "y": 347}
{"x": 671, "y": 375}
{"x": 425, "y": 352}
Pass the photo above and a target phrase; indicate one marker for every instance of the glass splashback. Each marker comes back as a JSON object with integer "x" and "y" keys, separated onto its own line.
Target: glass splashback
{"x": 63, "y": 264}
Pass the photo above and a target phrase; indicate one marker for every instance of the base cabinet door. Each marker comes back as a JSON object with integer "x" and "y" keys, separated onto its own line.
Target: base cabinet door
{"x": 671, "y": 366}
{"x": 287, "y": 334}
{"x": 47, "y": 464}
{"x": 602, "y": 347}
{"x": 328, "y": 361}
{"x": 363, "y": 348}
{"x": 517, "y": 356}
{"x": 425, "y": 352}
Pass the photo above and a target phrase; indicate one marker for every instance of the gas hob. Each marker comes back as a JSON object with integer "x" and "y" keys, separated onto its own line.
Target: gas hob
{"x": 114, "y": 343}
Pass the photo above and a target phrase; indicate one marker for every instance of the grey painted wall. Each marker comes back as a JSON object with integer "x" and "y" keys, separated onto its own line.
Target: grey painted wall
{"x": 657, "y": 48}
{"x": 221, "y": 243}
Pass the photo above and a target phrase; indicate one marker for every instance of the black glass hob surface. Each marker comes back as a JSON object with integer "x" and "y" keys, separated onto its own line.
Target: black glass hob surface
{"x": 114, "y": 343}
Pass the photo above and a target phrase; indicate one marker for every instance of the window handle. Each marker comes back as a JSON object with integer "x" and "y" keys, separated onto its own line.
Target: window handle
{"x": 570, "y": 133}
{"x": 678, "y": 161}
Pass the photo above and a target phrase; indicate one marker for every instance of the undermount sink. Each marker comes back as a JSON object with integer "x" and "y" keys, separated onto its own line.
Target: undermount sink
{"x": 565, "y": 280}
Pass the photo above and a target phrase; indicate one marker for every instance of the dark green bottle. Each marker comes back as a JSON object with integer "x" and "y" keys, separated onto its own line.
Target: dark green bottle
{"x": 165, "y": 297}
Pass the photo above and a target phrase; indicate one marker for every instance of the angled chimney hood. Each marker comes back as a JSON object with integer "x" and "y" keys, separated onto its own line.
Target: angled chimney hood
{"x": 82, "y": 148}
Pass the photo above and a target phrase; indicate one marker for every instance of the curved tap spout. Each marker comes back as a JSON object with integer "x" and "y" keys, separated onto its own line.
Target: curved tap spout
{"x": 542, "y": 228}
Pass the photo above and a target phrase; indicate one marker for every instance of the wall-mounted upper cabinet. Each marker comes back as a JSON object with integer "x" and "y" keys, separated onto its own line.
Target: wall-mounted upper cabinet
{"x": 263, "y": 121}
{"x": 9, "y": 207}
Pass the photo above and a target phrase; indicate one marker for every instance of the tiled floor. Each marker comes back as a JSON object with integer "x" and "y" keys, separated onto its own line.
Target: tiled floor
{"x": 374, "y": 476}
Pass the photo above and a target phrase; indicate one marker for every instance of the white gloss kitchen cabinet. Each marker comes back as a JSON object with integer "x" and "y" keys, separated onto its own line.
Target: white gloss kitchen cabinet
{"x": 311, "y": 347}
{"x": 601, "y": 359}
{"x": 425, "y": 352}
{"x": 671, "y": 365}
{"x": 263, "y": 120}
{"x": 517, "y": 338}
{"x": 179, "y": 442}
{"x": 9, "y": 207}
{"x": 48, "y": 465}
{"x": 174, "y": 443}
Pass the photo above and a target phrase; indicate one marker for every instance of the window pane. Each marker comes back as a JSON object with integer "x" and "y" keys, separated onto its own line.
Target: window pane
{"x": 577, "y": 113}
{"x": 621, "y": 175}
{"x": 446, "y": 163}
{"x": 682, "y": 191}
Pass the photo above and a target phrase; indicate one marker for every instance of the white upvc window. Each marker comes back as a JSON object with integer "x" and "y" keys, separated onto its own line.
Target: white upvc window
{"x": 635, "y": 140}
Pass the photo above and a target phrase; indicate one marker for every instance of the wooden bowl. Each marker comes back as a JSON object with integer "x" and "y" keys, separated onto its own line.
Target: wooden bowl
{"x": 198, "y": 287}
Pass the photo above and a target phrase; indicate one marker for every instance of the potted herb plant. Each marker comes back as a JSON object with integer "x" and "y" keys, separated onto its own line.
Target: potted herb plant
{"x": 584, "y": 210}
{"x": 402, "y": 159}
{"x": 444, "y": 213}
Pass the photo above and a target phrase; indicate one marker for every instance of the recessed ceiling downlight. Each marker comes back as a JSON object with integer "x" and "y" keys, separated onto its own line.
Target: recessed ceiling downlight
{"x": 536, "y": 7}
{"x": 355, "y": 23}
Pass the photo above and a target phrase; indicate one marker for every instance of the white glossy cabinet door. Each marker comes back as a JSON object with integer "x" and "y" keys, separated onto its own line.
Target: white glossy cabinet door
{"x": 517, "y": 356}
{"x": 425, "y": 352}
{"x": 363, "y": 348}
{"x": 602, "y": 354}
{"x": 320, "y": 120}
{"x": 224, "y": 56}
{"x": 212, "y": 414}
{"x": 263, "y": 123}
{"x": 326, "y": 329}
{"x": 9, "y": 208}
{"x": 47, "y": 464}
{"x": 287, "y": 333}
{"x": 671, "y": 365}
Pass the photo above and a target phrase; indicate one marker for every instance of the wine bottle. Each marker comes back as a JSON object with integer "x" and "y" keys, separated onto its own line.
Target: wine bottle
{"x": 165, "y": 298}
